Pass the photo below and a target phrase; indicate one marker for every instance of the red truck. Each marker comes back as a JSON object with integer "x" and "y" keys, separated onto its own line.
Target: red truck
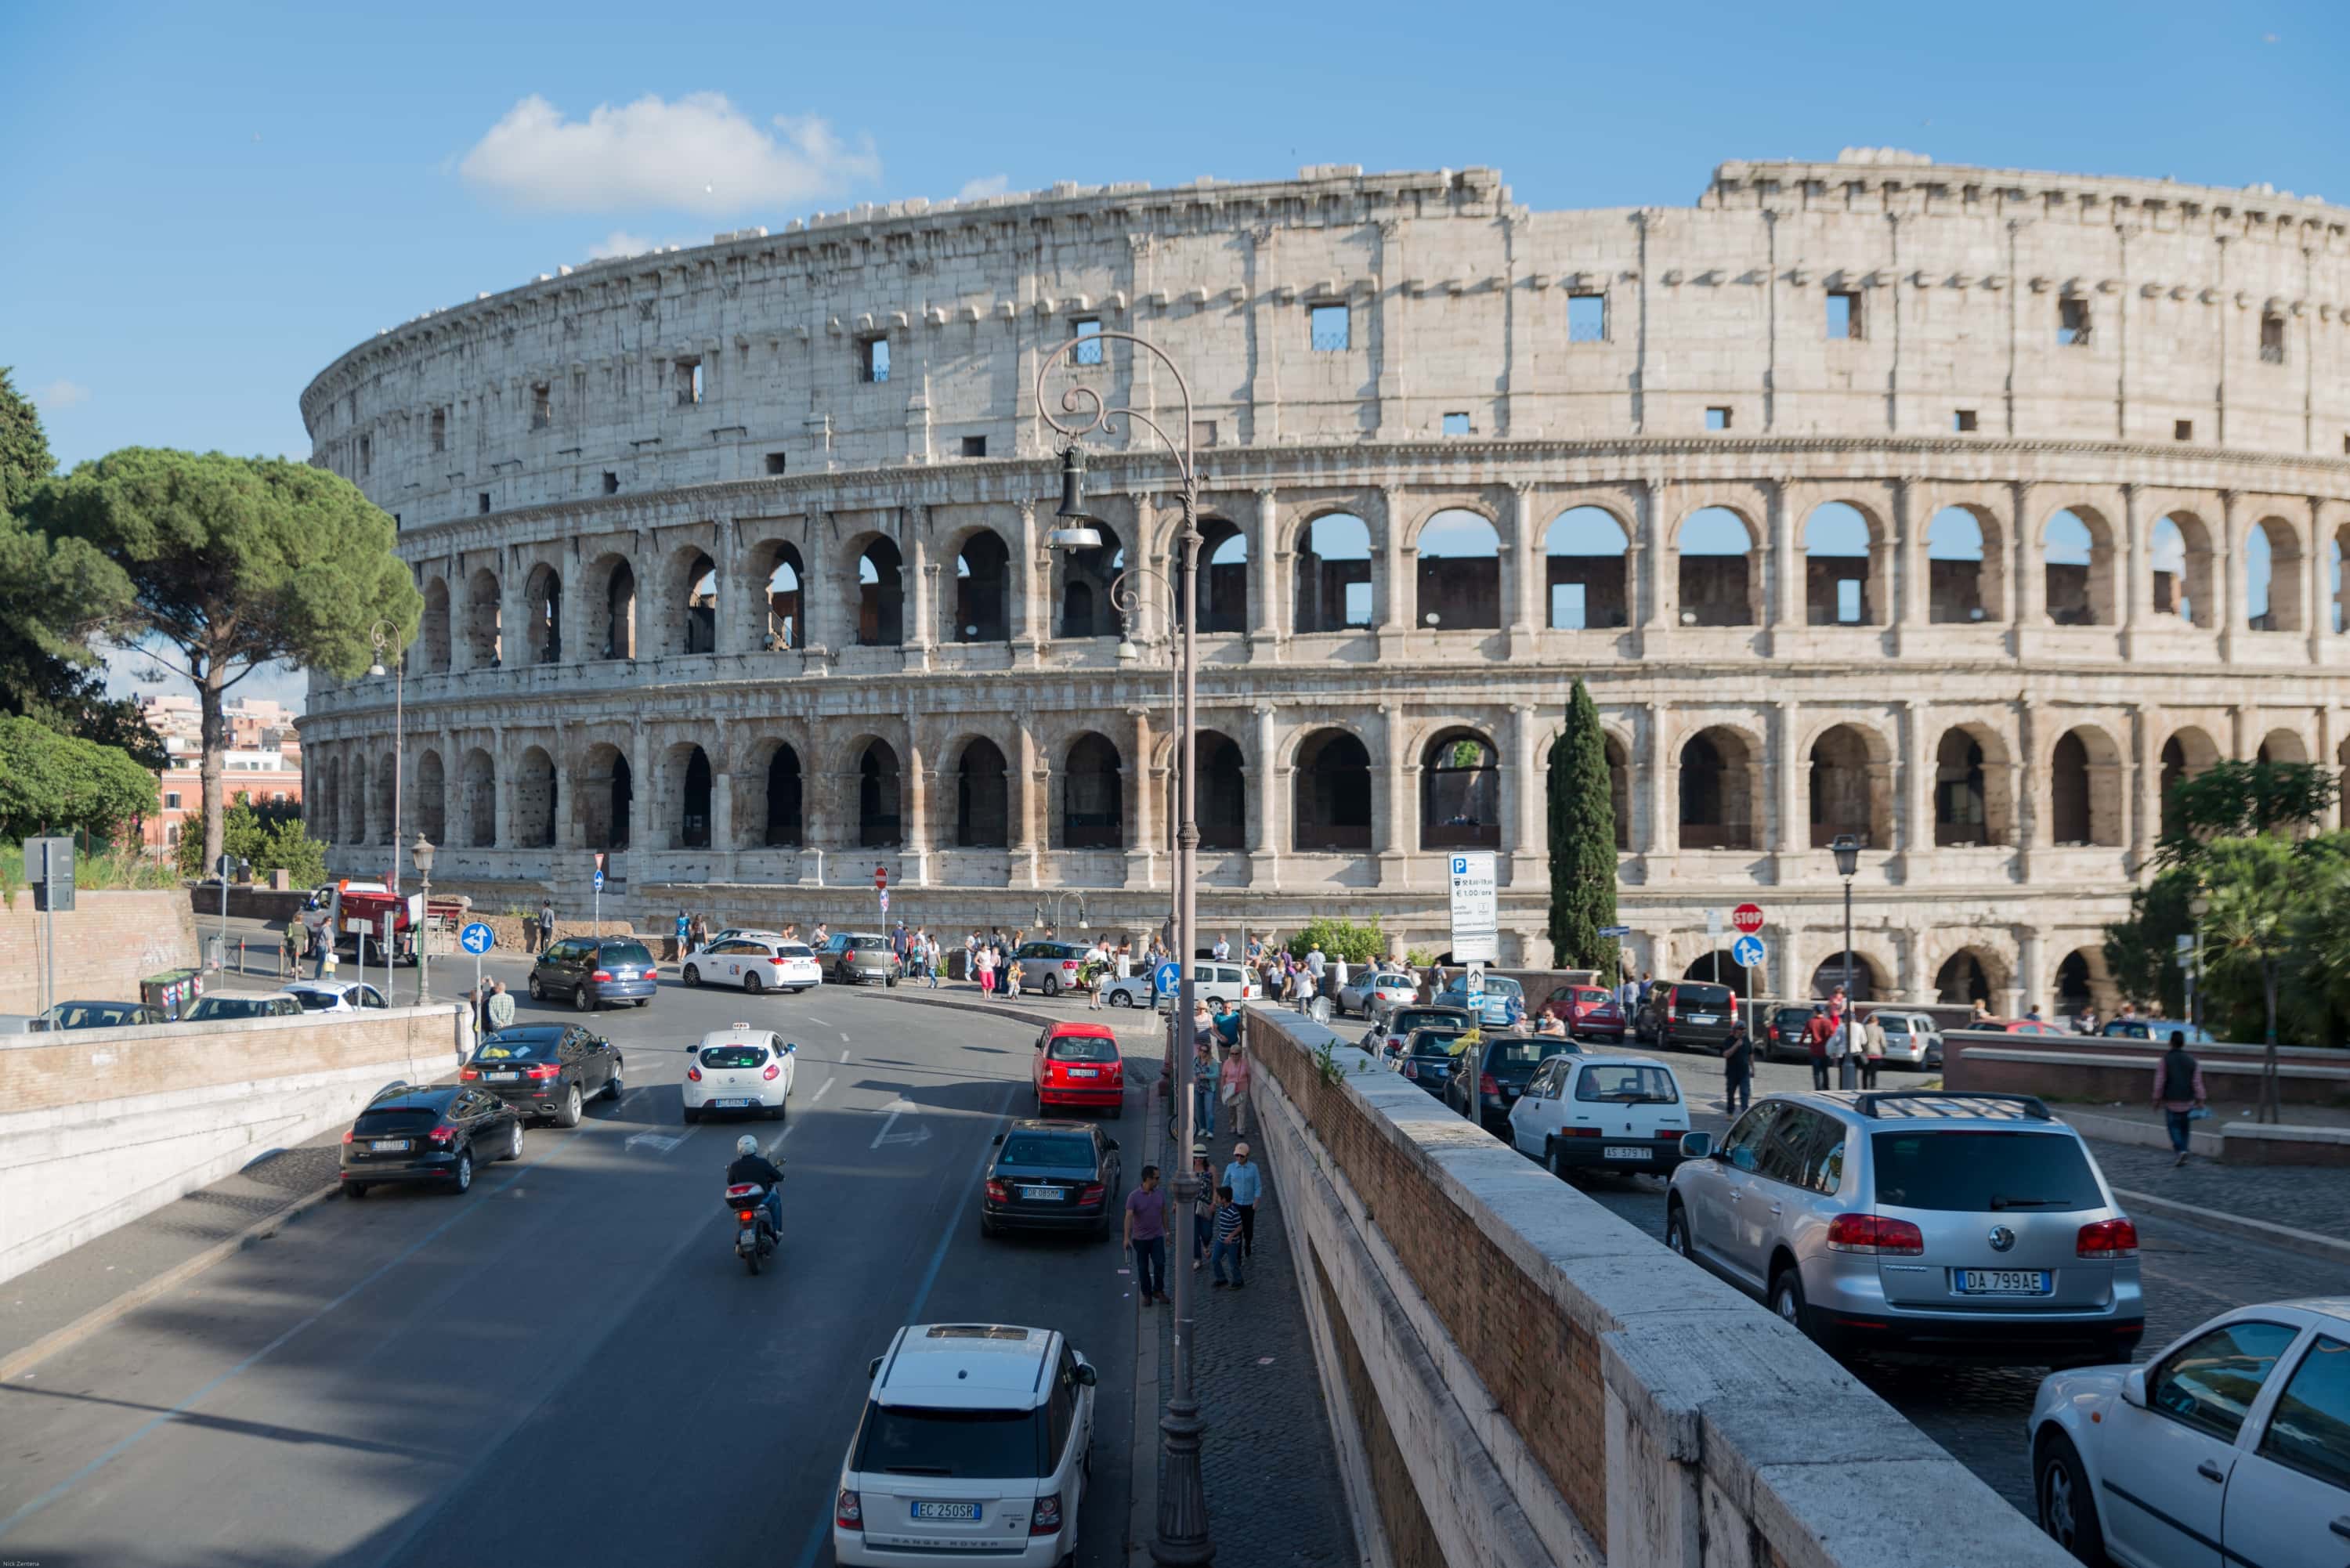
{"x": 354, "y": 902}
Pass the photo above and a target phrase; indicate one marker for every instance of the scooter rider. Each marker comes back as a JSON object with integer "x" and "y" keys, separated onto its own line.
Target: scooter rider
{"x": 750, "y": 1165}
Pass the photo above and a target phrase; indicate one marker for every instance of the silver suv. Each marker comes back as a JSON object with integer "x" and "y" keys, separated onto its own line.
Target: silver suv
{"x": 1923, "y": 1221}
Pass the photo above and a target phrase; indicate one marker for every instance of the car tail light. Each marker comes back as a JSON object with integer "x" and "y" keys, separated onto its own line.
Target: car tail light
{"x": 601, "y": 974}
{"x": 692, "y": 1075}
{"x": 544, "y": 1071}
{"x": 1485, "y": 1085}
{"x": 2107, "y": 1238}
{"x": 1046, "y": 1519}
{"x": 349, "y": 1136}
{"x": 998, "y": 1189}
{"x": 1580, "y": 1132}
{"x": 1875, "y": 1233}
{"x": 444, "y": 1133}
{"x": 770, "y": 1074}
{"x": 1409, "y": 1069}
{"x": 1069, "y": 964}
{"x": 468, "y": 1075}
{"x": 1671, "y": 1003}
{"x": 1734, "y": 1009}
{"x": 849, "y": 1511}
{"x": 1092, "y": 1193}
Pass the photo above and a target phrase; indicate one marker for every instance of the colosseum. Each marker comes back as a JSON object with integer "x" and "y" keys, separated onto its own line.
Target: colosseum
{"x": 1959, "y": 509}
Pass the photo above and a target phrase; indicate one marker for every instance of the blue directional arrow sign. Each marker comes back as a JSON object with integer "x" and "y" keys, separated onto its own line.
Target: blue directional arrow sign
{"x": 477, "y": 939}
{"x": 1167, "y": 976}
{"x": 600, "y": 881}
{"x": 1615, "y": 930}
{"x": 1748, "y": 952}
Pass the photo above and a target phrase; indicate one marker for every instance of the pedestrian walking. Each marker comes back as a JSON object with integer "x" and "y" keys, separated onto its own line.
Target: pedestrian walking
{"x": 2178, "y": 1093}
{"x": 1146, "y": 1236}
{"x": 684, "y": 933}
{"x": 1872, "y": 1049}
{"x": 1203, "y": 1206}
{"x": 500, "y": 1008}
{"x": 1846, "y": 1049}
{"x": 546, "y": 924}
{"x": 1012, "y": 978}
{"x": 1204, "y": 1073}
{"x": 328, "y": 960}
{"x": 1247, "y": 1185}
{"x": 1235, "y": 1089}
{"x": 1737, "y": 1072}
{"x": 986, "y": 973}
{"x": 1821, "y": 1033}
{"x": 1230, "y": 1225}
{"x": 290, "y": 954}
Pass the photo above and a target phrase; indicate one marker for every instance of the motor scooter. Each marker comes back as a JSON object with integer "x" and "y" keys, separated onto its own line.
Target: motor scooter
{"x": 754, "y": 1236}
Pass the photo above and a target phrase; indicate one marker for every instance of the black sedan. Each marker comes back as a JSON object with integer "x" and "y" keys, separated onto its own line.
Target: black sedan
{"x": 1428, "y": 1058}
{"x": 1494, "y": 1083}
{"x": 441, "y": 1134}
{"x": 1052, "y": 1175}
{"x": 546, "y": 1070}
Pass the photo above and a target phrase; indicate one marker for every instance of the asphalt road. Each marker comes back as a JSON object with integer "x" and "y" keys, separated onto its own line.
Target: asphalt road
{"x": 569, "y": 1364}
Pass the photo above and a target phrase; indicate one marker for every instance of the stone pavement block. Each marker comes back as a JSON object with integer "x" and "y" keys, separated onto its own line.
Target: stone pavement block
{"x": 2305, "y": 1200}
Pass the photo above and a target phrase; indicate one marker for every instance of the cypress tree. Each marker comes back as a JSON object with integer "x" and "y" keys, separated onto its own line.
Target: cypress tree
{"x": 1582, "y": 843}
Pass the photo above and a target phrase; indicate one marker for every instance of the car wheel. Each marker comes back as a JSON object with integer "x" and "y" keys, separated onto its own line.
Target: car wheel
{"x": 692, "y": 977}
{"x": 891, "y": 981}
{"x": 750, "y": 981}
{"x": 583, "y": 1000}
{"x": 689, "y": 1114}
{"x": 612, "y": 1087}
{"x": 535, "y": 993}
{"x": 1787, "y": 1301}
{"x": 513, "y": 1140}
{"x": 355, "y": 1190}
{"x": 751, "y": 1258}
{"x": 1051, "y": 986}
{"x": 462, "y": 1178}
{"x": 568, "y": 1116}
{"x": 1550, "y": 1160}
{"x": 1676, "y": 1237}
{"x": 776, "y": 1112}
{"x": 986, "y": 1227}
{"x": 2068, "y": 1513}
{"x": 1119, "y": 999}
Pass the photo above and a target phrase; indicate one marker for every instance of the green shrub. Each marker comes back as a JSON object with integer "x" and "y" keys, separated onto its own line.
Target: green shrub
{"x": 1341, "y": 940}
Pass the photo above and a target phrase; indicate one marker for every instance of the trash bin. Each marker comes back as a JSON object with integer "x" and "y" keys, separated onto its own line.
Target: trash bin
{"x": 174, "y": 990}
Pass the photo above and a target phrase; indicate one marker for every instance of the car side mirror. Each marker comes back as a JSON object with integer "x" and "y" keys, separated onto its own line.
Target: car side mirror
{"x": 1110, "y": 1144}
{"x": 1087, "y": 1376}
{"x": 792, "y": 1048}
{"x": 2134, "y": 1389}
{"x": 873, "y": 1367}
{"x": 999, "y": 1137}
{"x": 1697, "y": 1145}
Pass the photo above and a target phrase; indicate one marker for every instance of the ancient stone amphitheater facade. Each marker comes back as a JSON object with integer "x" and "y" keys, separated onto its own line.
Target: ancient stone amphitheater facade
{"x": 1956, "y": 508}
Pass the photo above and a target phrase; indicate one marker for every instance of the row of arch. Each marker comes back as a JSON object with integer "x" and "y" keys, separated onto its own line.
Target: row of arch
{"x": 1846, "y": 574}
{"x": 1967, "y": 976}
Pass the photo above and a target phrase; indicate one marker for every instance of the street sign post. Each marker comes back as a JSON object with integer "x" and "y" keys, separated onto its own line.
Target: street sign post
{"x": 49, "y": 866}
{"x": 1749, "y": 952}
{"x": 1165, "y": 979}
{"x": 881, "y": 889}
{"x": 1747, "y": 917}
{"x": 1713, "y": 944}
{"x": 1476, "y": 912}
{"x": 477, "y": 939}
{"x": 596, "y": 919}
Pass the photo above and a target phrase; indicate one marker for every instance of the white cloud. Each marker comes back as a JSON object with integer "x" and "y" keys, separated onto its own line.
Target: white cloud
{"x": 699, "y": 154}
{"x": 61, "y": 394}
{"x": 984, "y": 186}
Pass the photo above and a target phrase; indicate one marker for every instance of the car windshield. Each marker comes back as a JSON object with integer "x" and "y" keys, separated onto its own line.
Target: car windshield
{"x": 1626, "y": 1085}
{"x": 624, "y": 952}
{"x": 1083, "y": 1048}
{"x": 1528, "y": 1051}
{"x": 865, "y": 944}
{"x": 96, "y": 1015}
{"x": 1051, "y": 1151}
{"x": 978, "y": 1445}
{"x": 1435, "y": 1042}
{"x": 231, "y": 1007}
{"x": 520, "y": 1045}
{"x": 734, "y": 1056}
{"x": 1594, "y": 998}
{"x": 1984, "y": 1172}
{"x": 317, "y": 1000}
{"x": 793, "y": 951}
{"x": 396, "y": 1120}
{"x": 1411, "y": 1018}
{"x": 1894, "y": 1024}
{"x": 1702, "y": 996}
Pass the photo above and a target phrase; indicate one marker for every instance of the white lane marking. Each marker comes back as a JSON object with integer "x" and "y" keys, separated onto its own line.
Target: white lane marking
{"x": 822, "y": 1089}
{"x": 659, "y": 1141}
{"x": 844, "y": 1056}
{"x": 919, "y": 1132}
{"x": 826, "y": 1021}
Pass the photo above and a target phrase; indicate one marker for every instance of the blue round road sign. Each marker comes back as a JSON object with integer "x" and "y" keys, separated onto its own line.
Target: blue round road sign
{"x": 1748, "y": 952}
{"x": 600, "y": 881}
{"x": 1167, "y": 976}
{"x": 477, "y": 939}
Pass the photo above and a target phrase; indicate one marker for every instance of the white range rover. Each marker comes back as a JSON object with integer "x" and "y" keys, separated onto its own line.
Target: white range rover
{"x": 974, "y": 1449}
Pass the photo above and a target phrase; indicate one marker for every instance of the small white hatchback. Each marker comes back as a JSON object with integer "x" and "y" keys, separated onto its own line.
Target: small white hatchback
{"x": 739, "y": 1068}
{"x": 975, "y": 1448}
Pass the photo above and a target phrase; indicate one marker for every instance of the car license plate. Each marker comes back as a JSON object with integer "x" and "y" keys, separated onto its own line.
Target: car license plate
{"x": 1701, "y": 1018}
{"x": 1085, "y": 1072}
{"x": 729, "y": 1105}
{"x": 501, "y": 1077}
{"x": 2003, "y": 1282}
{"x": 1045, "y": 1194}
{"x": 1624, "y": 1151}
{"x": 389, "y": 1145}
{"x": 965, "y": 1512}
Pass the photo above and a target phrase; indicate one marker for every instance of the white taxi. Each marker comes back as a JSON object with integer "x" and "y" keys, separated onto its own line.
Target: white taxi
{"x": 974, "y": 1449}
{"x": 740, "y": 1068}
{"x": 754, "y": 963}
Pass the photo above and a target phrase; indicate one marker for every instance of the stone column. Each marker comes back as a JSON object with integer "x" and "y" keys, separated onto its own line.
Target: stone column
{"x": 1918, "y": 769}
{"x": 1525, "y": 800}
{"x": 1658, "y": 834}
{"x": 1392, "y": 826}
{"x": 817, "y": 585}
{"x": 2028, "y": 582}
{"x": 1521, "y": 577}
{"x": 1392, "y": 596}
{"x": 2026, "y": 988}
{"x": 1917, "y": 986}
{"x": 1268, "y": 836}
{"x": 735, "y": 596}
{"x": 914, "y": 814}
{"x": 1790, "y": 831}
{"x": 2032, "y": 825}
{"x": 2230, "y": 620}
{"x": 2137, "y": 569}
{"x": 1912, "y": 610}
{"x": 1782, "y": 603}
{"x": 1031, "y": 617}
{"x": 2317, "y": 610}
{"x": 721, "y": 812}
{"x": 502, "y": 787}
{"x": 572, "y": 607}
{"x": 1144, "y": 840}
{"x": 567, "y": 791}
{"x": 1787, "y": 940}
{"x": 643, "y": 796}
{"x": 2145, "y": 788}
{"x": 922, "y": 586}
{"x": 1268, "y": 567}
{"x": 1652, "y": 605}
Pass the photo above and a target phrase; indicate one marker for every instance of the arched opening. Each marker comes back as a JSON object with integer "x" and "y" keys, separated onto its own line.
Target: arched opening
{"x": 1222, "y": 797}
{"x": 607, "y": 797}
{"x": 1970, "y": 790}
{"x": 1835, "y": 567}
{"x": 481, "y": 787}
{"x": 2179, "y": 551}
{"x": 2083, "y": 797}
{"x": 1224, "y": 591}
{"x": 694, "y": 789}
{"x": 698, "y": 628}
{"x": 781, "y": 801}
{"x": 1460, "y": 579}
{"x": 385, "y": 815}
{"x": 1844, "y": 790}
{"x": 2281, "y": 746}
{"x": 323, "y": 807}
{"x": 536, "y": 801}
{"x": 1717, "y": 577}
{"x": 982, "y": 797}
{"x": 1861, "y": 986}
{"x": 485, "y": 635}
{"x": 881, "y": 597}
{"x": 1092, "y": 798}
{"x": 543, "y": 614}
{"x": 612, "y": 624}
{"x": 982, "y": 601}
{"x": 2078, "y": 554}
{"x": 435, "y": 629}
{"x": 785, "y": 623}
{"x": 432, "y": 797}
{"x": 1962, "y": 981}
{"x": 1332, "y": 793}
{"x": 1619, "y": 791}
{"x": 2273, "y": 577}
{"x": 1333, "y": 573}
{"x": 1460, "y": 793}
{"x": 1086, "y": 579}
{"x": 2184, "y": 755}
{"x": 1583, "y": 570}
{"x": 1718, "y": 793}
{"x": 2076, "y": 979}
{"x": 1962, "y": 576}
{"x": 878, "y": 823}
{"x": 1719, "y": 968}
{"x": 356, "y": 802}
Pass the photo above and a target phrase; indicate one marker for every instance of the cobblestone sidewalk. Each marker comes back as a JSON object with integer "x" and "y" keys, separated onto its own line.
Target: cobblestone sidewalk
{"x": 2303, "y": 1197}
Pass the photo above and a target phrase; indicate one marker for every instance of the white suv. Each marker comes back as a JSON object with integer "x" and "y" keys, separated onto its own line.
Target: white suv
{"x": 975, "y": 1448}
{"x": 1227, "y": 983}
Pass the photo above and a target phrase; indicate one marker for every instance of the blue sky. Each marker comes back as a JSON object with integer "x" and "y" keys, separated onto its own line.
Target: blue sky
{"x": 205, "y": 205}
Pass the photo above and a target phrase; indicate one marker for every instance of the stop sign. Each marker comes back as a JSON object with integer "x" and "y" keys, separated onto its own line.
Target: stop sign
{"x": 1747, "y": 917}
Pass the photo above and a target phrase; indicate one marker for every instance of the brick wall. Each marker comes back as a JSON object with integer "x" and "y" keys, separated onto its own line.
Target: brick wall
{"x": 107, "y": 944}
{"x": 1411, "y": 1539}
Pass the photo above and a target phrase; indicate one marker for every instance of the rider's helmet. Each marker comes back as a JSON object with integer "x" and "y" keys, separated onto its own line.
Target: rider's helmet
{"x": 746, "y": 1144}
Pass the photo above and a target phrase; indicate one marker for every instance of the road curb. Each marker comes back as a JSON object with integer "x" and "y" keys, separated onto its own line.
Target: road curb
{"x": 171, "y": 1279}
{"x": 2310, "y": 1242}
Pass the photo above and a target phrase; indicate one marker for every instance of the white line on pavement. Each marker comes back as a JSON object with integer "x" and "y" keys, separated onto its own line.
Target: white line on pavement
{"x": 844, "y": 1056}
{"x": 821, "y": 1089}
{"x": 826, "y": 1021}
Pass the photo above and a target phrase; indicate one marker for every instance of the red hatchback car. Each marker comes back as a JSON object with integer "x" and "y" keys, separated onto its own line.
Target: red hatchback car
{"x": 1078, "y": 1065}
{"x": 1589, "y": 1012}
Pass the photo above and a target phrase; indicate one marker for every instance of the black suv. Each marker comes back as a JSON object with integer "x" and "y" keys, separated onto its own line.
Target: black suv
{"x": 546, "y": 1069}
{"x": 1504, "y": 1064}
{"x": 437, "y": 1134}
{"x": 1689, "y": 1014}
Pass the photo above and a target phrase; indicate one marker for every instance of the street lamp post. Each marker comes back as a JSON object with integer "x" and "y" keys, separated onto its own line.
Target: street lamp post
{"x": 421, "y": 853}
{"x": 2196, "y": 908}
{"x": 1181, "y": 1539}
{"x": 1847, "y": 849}
{"x": 386, "y": 635}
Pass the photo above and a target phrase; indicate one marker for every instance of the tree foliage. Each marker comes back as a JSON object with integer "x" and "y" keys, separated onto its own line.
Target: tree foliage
{"x": 2240, "y": 800}
{"x": 1355, "y": 942}
{"x": 1582, "y": 841}
{"x": 235, "y": 563}
{"x": 272, "y": 836}
{"x": 58, "y": 784}
{"x": 25, "y": 457}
